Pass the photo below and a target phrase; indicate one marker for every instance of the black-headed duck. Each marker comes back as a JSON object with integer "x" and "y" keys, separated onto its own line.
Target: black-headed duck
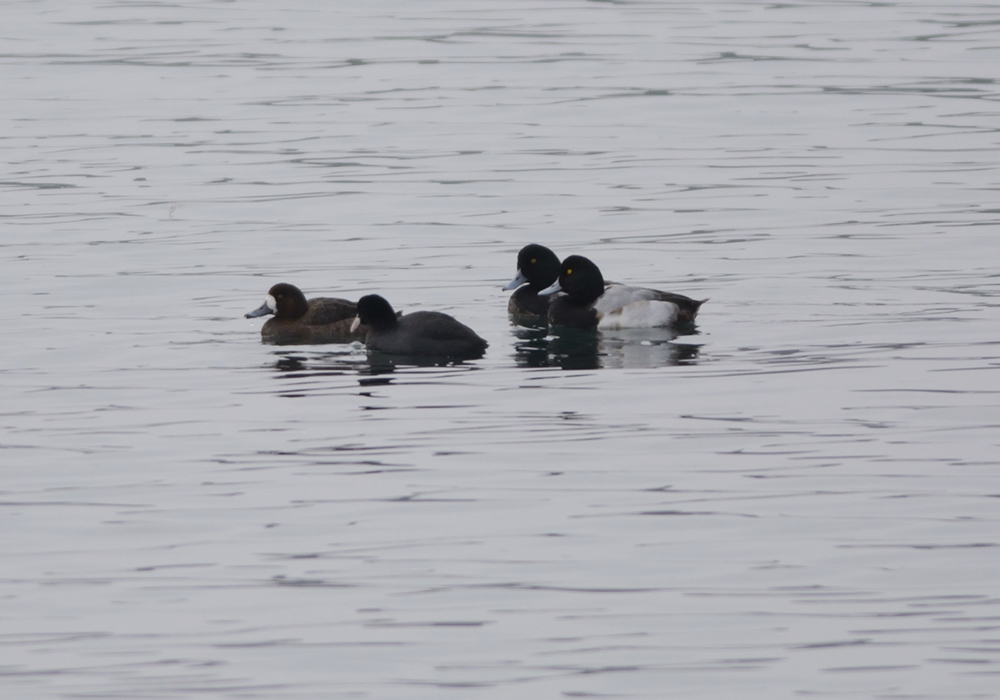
{"x": 586, "y": 302}
{"x": 537, "y": 269}
{"x": 423, "y": 333}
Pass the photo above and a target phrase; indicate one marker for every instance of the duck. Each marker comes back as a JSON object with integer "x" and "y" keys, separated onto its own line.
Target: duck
{"x": 586, "y": 302}
{"x": 297, "y": 321}
{"x": 419, "y": 333}
{"x": 537, "y": 269}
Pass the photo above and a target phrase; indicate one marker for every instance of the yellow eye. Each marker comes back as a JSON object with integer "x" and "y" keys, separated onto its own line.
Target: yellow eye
{"x": 569, "y": 272}
{"x": 533, "y": 261}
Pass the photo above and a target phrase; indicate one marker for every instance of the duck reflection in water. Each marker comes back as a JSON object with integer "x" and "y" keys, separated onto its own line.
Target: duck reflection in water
{"x": 571, "y": 348}
{"x": 305, "y": 365}
{"x": 290, "y": 363}
{"x": 386, "y": 363}
{"x": 371, "y": 366}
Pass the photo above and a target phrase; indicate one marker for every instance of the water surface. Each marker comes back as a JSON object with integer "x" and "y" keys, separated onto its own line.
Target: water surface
{"x": 799, "y": 499}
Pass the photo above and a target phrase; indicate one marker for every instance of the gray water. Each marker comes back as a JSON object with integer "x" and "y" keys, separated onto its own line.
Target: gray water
{"x": 798, "y": 500}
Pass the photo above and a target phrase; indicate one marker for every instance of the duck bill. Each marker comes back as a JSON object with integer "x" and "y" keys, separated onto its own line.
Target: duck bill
{"x": 355, "y": 324}
{"x": 266, "y": 308}
{"x": 518, "y": 280}
{"x": 550, "y": 290}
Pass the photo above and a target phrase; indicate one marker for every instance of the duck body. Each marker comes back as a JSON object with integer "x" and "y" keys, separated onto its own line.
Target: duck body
{"x": 300, "y": 322}
{"x": 420, "y": 333}
{"x": 537, "y": 269}
{"x": 587, "y": 302}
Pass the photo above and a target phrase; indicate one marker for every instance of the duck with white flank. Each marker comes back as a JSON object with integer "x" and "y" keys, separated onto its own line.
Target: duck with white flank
{"x": 587, "y": 303}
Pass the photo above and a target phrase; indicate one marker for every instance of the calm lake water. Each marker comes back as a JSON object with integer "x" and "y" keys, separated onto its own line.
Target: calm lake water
{"x": 801, "y": 499}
